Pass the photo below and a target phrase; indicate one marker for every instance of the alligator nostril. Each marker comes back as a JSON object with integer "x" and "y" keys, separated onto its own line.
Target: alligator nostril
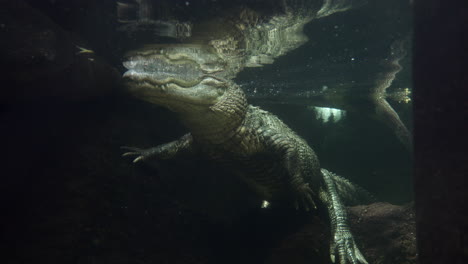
{"x": 129, "y": 64}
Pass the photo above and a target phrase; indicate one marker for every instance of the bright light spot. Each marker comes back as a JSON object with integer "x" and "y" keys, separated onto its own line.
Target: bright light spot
{"x": 352, "y": 59}
{"x": 329, "y": 114}
{"x": 265, "y": 204}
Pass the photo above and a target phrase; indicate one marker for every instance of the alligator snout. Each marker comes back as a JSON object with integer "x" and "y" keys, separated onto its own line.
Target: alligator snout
{"x": 161, "y": 70}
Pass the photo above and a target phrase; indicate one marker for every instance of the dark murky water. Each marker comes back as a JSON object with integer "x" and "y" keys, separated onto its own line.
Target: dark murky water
{"x": 70, "y": 197}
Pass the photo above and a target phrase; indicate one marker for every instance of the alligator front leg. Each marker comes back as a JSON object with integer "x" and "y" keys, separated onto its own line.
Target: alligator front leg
{"x": 164, "y": 151}
{"x": 342, "y": 241}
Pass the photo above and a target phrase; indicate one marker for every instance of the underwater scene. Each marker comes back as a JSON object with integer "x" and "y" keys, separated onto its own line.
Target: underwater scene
{"x": 207, "y": 131}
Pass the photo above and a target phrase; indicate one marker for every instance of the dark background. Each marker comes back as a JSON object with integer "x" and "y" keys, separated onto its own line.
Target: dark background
{"x": 68, "y": 196}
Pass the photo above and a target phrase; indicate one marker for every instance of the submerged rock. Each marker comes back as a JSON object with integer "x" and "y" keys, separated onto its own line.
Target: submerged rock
{"x": 387, "y": 232}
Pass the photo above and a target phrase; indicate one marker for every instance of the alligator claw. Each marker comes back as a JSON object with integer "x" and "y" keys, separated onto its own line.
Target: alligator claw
{"x": 126, "y": 154}
{"x": 348, "y": 252}
{"x": 140, "y": 153}
{"x": 138, "y": 159}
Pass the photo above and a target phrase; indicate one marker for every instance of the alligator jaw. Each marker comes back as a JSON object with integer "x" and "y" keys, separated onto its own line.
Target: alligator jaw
{"x": 182, "y": 64}
{"x": 203, "y": 94}
{"x": 162, "y": 70}
{"x": 152, "y": 78}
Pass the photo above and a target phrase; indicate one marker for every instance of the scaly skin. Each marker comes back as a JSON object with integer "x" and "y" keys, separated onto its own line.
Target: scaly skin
{"x": 277, "y": 163}
{"x": 194, "y": 79}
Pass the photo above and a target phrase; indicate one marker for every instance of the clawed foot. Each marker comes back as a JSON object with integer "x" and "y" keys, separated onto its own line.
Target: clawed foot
{"x": 304, "y": 198}
{"x": 343, "y": 244}
{"x": 140, "y": 154}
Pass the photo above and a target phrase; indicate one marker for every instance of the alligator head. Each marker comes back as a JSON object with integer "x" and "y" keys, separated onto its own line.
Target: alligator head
{"x": 176, "y": 75}
{"x": 191, "y": 80}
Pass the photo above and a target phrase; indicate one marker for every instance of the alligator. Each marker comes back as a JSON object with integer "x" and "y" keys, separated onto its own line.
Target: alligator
{"x": 194, "y": 78}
